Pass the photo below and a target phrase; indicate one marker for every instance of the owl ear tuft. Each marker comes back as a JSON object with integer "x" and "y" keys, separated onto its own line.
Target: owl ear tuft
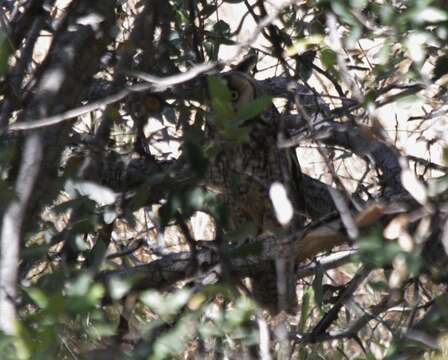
{"x": 248, "y": 64}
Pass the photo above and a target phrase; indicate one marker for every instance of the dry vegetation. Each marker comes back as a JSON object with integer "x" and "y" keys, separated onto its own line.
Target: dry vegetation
{"x": 113, "y": 244}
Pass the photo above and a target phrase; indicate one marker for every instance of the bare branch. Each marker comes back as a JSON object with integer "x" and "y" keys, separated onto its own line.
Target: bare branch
{"x": 11, "y": 234}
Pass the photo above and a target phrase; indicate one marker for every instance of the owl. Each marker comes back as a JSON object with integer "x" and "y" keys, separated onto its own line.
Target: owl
{"x": 242, "y": 172}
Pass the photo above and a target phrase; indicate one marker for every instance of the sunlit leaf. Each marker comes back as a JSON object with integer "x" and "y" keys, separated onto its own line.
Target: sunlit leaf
{"x": 241, "y": 313}
{"x": 429, "y": 14}
{"x": 416, "y": 45}
{"x": 166, "y": 305}
{"x": 283, "y": 208}
{"x": 118, "y": 287}
{"x": 413, "y": 185}
{"x": 79, "y": 286}
{"x": 174, "y": 341}
{"x": 102, "y": 195}
{"x": 301, "y": 45}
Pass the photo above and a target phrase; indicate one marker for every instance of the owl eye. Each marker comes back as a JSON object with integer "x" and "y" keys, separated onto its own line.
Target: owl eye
{"x": 235, "y": 95}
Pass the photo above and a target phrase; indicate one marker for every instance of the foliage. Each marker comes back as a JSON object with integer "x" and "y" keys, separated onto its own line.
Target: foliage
{"x": 122, "y": 252}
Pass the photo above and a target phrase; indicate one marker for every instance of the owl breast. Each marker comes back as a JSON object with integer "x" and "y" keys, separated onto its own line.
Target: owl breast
{"x": 242, "y": 175}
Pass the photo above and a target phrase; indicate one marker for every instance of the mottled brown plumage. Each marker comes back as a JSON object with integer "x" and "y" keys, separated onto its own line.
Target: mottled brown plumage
{"x": 242, "y": 173}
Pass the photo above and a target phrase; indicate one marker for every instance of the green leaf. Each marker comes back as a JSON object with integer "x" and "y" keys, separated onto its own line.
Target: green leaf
{"x": 304, "y": 44}
{"x": 196, "y": 158}
{"x": 222, "y": 28}
{"x": 79, "y": 286}
{"x": 243, "y": 310}
{"x": 118, "y": 287}
{"x": 374, "y": 251}
{"x": 173, "y": 342}
{"x": 358, "y": 4}
{"x": 182, "y": 16}
{"x": 225, "y": 119}
{"x": 185, "y": 202}
{"x": 343, "y": 11}
{"x": 217, "y": 210}
{"x": 328, "y": 58}
{"x": 102, "y": 195}
{"x": 379, "y": 285}
{"x": 166, "y": 305}
{"x": 52, "y": 283}
{"x": 254, "y": 108}
{"x": 110, "y": 214}
{"x": 195, "y": 198}
{"x": 387, "y": 14}
{"x": 416, "y": 44}
{"x": 38, "y": 296}
{"x": 98, "y": 253}
{"x": 306, "y": 308}
{"x": 82, "y": 204}
{"x": 438, "y": 186}
{"x": 305, "y": 64}
{"x": 10, "y": 346}
{"x": 429, "y": 14}
{"x": 221, "y": 98}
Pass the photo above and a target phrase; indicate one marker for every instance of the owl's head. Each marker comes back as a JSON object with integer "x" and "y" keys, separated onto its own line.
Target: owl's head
{"x": 241, "y": 82}
{"x": 242, "y": 93}
{"x": 242, "y": 88}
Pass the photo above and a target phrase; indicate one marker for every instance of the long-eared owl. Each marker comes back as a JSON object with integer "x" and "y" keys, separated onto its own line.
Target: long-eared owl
{"x": 242, "y": 171}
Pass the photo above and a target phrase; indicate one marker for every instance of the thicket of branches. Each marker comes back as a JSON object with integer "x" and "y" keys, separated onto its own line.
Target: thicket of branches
{"x": 112, "y": 247}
